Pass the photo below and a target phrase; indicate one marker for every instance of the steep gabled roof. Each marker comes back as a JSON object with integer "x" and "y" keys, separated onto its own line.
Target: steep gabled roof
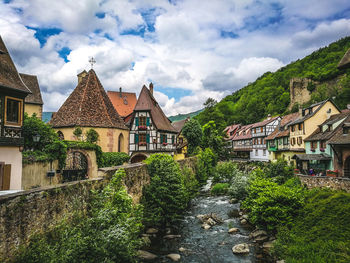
{"x": 284, "y": 131}
{"x": 88, "y": 106}
{"x": 244, "y": 133}
{"x": 9, "y": 76}
{"x": 31, "y": 81}
{"x": 345, "y": 61}
{"x": 232, "y": 128}
{"x": 123, "y": 102}
{"x": 147, "y": 102}
{"x": 264, "y": 122}
{"x": 178, "y": 125}
{"x": 339, "y": 137}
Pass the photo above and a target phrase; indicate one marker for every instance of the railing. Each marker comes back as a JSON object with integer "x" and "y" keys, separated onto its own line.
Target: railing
{"x": 12, "y": 132}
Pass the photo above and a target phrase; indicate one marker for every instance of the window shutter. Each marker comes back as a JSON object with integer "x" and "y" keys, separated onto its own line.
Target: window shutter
{"x": 147, "y": 138}
{"x": 136, "y": 138}
{"x": 147, "y": 121}
{"x": 137, "y": 121}
{"x": 165, "y": 138}
{"x": 173, "y": 139}
{"x": 161, "y": 138}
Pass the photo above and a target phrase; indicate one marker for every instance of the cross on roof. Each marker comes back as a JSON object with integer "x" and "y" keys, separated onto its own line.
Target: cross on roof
{"x": 92, "y": 61}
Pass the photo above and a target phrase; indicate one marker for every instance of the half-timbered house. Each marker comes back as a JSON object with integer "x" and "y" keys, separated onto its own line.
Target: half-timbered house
{"x": 150, "y": 130}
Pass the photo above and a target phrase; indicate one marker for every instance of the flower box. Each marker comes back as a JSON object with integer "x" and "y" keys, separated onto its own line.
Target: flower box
{"x": 313, "y": 149}
{"x": 142, "y": 143}
{"x": 165, "y": 144}
{"x": 296, "y": 171}
{"x": 332, "y": 173}
{"x": 322, "y": 149}
{"x": 142, "y": 127}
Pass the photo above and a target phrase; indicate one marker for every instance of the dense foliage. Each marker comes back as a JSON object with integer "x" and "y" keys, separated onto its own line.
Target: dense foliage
{"x": 220, "y": 188}
{"x": 114, "y": 158}
{"x": 205, "y": 165}
{"x": 213, "y": 139}
{"x": 165, "y": 198}
{"x": 92, "y": 136}
{"x": 108, "y": 233}
{"x": 192, "y": 131}
{"x": 224, "y": 172}
{"x": 269, "y": 94}
{"x": 321, "y": 231}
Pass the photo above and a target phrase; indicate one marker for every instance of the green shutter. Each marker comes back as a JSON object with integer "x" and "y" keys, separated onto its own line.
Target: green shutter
{"x": 161, "y": 138}
{"x": 137, "y": 121}
{"x": 172, "y": 139}
{"x": 136, "y": 138}
{"x": 166, "y": 138}
{"x": 147, "y": 121}
{"x": 147, "y": 138}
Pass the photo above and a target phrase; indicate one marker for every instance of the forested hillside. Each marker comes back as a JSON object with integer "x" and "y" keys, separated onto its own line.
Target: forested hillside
{"x": 269, "y": 94}
{"x": 181, "y": 117}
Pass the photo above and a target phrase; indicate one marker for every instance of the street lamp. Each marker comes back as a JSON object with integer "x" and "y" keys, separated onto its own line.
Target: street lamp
{"x": 36, "y": 138}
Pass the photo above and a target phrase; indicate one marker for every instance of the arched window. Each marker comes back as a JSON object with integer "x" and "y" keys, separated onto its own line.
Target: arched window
{"x": 121, "y": 143}
{"x": 60, "y": 135}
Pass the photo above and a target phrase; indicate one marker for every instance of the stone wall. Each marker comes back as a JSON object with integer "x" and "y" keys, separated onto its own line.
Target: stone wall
{"x": 25, "y": 213}
{"x": 35, "y": 175}
{"x": 335, "y": 183}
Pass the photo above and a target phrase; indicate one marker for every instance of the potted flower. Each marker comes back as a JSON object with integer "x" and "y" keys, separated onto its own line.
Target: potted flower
{"x": 142, "y": 127}
{"x": 142, "y": 143}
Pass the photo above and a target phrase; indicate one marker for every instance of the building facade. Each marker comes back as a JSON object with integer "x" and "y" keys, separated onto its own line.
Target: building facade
{"x": 150, "y": 130}
{"x": 260, "y": 131}
{"x": 242, "y": 142}
{"x": 88, "y": 106}
{"x": 33, "y": 103}
{"x": 13, "y": 92}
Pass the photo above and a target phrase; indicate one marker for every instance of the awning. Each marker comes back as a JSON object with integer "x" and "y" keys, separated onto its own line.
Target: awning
{"x": 310, "y": 157}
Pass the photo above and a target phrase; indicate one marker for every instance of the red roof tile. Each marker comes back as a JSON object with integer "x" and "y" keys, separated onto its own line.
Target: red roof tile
{"x": 277, "y": 133}
{"x": 146, "y": 102}
{"x": 88, "y": 106}
{"x": 123, "y": 102}
{"x": 264, "y": 122}
{"x": 245, "y": 132}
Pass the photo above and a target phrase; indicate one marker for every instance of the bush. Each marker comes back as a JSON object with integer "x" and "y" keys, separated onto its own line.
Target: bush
{"x": 321, "y": 231}
{"x": 205, "y": 165}
{"x": 92, "y": 136}
{"x": 164, "y": 199}
{"x": 238, "y": 187}
{"x": 220, "y": 189}
{"x": 280, "y": 171}
{"x": 225, "y": 171}
{"x": 190, "y": 183}
{"x": 272, "y": 205}
{"x": 109, "y": 234}
{"x": 110, "y": 159}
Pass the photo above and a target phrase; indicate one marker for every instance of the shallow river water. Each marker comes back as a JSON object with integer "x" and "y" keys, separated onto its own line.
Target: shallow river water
{"x": 210, "y": 246}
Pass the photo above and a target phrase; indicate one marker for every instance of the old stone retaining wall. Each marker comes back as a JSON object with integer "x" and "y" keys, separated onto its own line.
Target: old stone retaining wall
{"x": 25, "y": 213}
{"x": 335, "y": 183}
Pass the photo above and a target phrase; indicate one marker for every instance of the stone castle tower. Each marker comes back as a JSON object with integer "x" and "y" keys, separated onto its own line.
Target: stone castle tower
{"x": 298, "y": 91}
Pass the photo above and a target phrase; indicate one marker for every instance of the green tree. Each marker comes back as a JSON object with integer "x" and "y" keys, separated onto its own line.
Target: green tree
{"x": 164, "y": 199}
{"x": 192, "y": 131}
{"x": 212, "y": 139}
{"x": 206, "y": 164}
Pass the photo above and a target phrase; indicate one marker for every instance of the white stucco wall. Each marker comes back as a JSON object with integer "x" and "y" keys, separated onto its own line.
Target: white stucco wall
{"x": 12, "y": 155}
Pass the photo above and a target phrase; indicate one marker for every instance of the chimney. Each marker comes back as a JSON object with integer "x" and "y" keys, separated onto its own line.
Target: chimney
{"x": 120, "y": 92}
{"x": 151, "y": 88}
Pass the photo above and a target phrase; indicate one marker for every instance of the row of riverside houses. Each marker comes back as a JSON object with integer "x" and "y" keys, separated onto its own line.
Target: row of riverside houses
{"x": 19, "y": 94}
{"x": 316, "y": 139}
{"x": 124, "y": 124}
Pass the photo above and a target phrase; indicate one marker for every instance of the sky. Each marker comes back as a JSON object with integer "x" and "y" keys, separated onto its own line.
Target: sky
{"x": 189, "y": 49}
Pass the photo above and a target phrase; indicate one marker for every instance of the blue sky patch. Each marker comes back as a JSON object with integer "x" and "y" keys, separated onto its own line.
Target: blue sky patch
{"x": 42, "y": 34}
{"x": 135, "y": 32}
{"x": 100, "y": 15}
{"x": 228, "y": 34}
{"x": 176, "y": 93}
{"x": 149, "y": 16}
{"x": 64, "y": 52}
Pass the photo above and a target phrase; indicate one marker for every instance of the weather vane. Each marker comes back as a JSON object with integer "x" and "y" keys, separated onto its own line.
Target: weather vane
{"x": 92, "y": 61}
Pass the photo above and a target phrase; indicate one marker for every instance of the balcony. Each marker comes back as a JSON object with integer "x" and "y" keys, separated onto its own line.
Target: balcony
{"x": 11, "y": 136}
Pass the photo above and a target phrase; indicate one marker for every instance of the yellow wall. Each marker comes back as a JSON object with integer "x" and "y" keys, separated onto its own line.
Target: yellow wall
{"x": 311, "y": 124}
{"x": 33, "y": 108}
{"x": 108, "y": 137}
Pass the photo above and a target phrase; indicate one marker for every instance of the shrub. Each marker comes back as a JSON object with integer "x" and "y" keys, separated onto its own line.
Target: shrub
{"x": 321, "y": 231}
{"x": 78, "y": 132}
{"x": 110, "y": 232}
{"x": 219, "y": 189}
{"x": 114, "y": 158}
{"x": 272, "y": 205}
{"x": 225, "y": 171}
{"x": 92, "y": 136}
{"x": 280, "y": 171}
{"x": 238, "y": 187}
{"x": 190, "y": 183}
{"x": 164, "y": 199}
{"x": 205, "y": 165}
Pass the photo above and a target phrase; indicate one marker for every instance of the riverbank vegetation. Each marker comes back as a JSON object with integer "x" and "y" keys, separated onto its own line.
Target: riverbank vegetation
{"x": 107, "y": 232}
{"x": 310, "y": 225}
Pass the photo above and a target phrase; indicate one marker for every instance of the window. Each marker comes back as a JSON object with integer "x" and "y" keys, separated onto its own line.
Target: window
{"x": 173, "y": 139}
{"x": 163, "y": 138}
{"x": 300, "y": 140}
{"x": 60, "y": 135}
{"x": 292, "y": 141}
{"x": 313, "y": 145}
{"x": 264, "y": 152}
{"x": 142, "y": 121}
{"x": 323, "y": 144}
{"x": 293, "y": 128}
{"x": 262, "y": 129}
{"x": 13, "y": 111}
{"x": 300, "y": 126}
{"x": 256, "y": 152}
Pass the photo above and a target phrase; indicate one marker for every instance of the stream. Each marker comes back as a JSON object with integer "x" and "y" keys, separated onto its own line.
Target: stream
{"x": 213, "y": 245}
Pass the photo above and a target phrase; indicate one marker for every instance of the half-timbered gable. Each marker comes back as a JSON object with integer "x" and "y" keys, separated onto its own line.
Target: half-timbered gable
{"x": 150, "y": 129}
